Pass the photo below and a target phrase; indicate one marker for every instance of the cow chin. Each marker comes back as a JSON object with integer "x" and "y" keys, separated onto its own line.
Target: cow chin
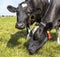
{"x": 20, "y": 26}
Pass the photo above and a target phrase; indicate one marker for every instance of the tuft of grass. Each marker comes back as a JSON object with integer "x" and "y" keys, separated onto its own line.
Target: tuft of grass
{"x": 13, "y": 42}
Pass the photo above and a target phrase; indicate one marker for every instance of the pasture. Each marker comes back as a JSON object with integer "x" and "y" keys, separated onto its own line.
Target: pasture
{"x": 13, "y": 42}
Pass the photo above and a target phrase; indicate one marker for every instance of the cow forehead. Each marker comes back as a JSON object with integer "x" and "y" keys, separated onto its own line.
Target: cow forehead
{"x": 24, "y": 5}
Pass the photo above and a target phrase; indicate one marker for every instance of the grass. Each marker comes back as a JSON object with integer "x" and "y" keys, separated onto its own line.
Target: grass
{"x": 13, "y": 42}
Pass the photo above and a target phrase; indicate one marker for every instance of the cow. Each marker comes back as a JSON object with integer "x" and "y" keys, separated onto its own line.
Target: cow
{"x": 36, "y": 8}
{"x": 38, "y": 35}
{"x": 22, "y": 18}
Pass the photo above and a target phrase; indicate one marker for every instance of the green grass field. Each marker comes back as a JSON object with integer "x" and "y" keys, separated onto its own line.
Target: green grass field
{"x": 13, "y": 42}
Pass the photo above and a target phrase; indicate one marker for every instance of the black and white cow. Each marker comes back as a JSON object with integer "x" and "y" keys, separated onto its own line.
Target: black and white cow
{"x": 51, "y": 20}
{"x": 23, "y": 19}
{"x": 36, "y": 8}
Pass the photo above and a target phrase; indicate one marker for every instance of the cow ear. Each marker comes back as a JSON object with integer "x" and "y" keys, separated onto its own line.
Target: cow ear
{"x": 11, "y": 9}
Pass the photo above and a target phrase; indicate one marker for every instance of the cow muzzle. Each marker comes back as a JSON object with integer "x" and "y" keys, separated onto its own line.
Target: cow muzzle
{"x": 20, "y": 25}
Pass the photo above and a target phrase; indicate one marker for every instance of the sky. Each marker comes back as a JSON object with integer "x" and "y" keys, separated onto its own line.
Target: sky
{"x": 5, "y": 3}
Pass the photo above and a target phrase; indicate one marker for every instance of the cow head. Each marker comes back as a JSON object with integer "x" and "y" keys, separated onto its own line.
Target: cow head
{"x": 22, "y": 11}
{"x": 37, "y": 39}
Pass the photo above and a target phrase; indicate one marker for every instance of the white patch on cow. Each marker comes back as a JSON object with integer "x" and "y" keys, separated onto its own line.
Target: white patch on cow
{"x": 24, "y": 5}
{"x": 58, "y": 39}
{"x": 29, "y": 30}
{"x": 49, "y": 1}
{"x": 28, "y": 37}
{"x": 34, "y": 30}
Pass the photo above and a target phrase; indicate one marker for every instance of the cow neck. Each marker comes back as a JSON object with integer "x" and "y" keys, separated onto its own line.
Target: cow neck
{"x": 43, "y": 20}
{"x": 38, "y": 10}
